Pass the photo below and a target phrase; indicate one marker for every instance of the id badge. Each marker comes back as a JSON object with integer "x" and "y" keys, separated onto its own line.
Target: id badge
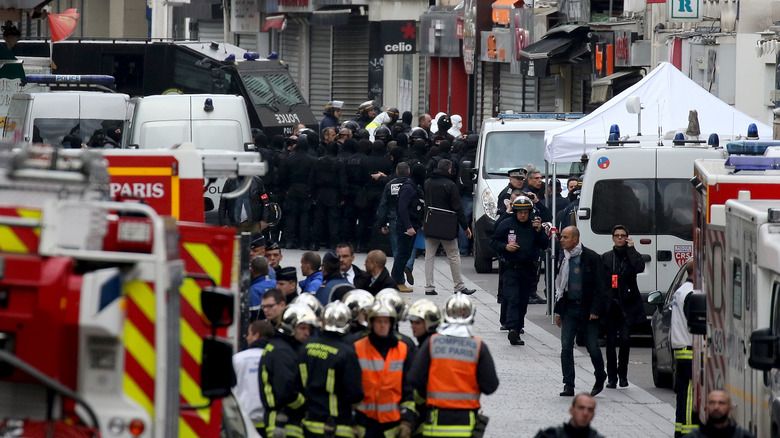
{"x": 614, "y": 281}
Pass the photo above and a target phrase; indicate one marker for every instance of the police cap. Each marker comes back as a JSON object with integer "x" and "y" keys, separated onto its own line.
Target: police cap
{"x": 517, "y": 173}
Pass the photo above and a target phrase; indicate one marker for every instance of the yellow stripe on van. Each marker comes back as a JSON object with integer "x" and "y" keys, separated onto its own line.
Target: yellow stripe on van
{"x": 192, "y": 395}
{"x": 208, "y": 261}
{"x": 10, "y": 242}
{"x": 140, "y": 171}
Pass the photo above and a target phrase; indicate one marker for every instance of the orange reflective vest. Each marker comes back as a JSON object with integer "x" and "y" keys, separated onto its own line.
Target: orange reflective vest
{"x": 382, "y": 380}
{"x": 452, "y": 377}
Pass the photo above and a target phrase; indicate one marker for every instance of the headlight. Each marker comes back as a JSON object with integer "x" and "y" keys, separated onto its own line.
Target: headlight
{"x": 489, "y": 204}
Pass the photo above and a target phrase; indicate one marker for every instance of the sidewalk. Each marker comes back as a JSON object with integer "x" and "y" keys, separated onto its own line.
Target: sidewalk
{"x": 530, "y": 375}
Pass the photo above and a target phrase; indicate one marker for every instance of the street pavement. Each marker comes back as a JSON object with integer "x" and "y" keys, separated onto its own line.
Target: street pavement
{"x": 530, "y": 375}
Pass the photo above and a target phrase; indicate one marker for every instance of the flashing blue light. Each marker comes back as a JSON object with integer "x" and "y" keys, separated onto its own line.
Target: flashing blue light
{"x": 273, "y": 55}
{"x": 713, "y": 140}
{"x": 208, "y": 106}
{"x": 614, "y": 130}
{"x": 69, "y": 79}
{"x": 679, "y": 137}
{"x": 231, "y": 58}
{"x": 752, "y": 131}
{"x": 251, "y": 56}
{"x": 752, "y": 147}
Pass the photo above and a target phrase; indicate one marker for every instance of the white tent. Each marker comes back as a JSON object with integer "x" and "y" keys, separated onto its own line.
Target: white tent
{"x": 666, "y": 95}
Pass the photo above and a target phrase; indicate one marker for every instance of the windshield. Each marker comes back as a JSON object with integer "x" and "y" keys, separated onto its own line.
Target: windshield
{"x": 509, "y": 150}
{"x": 93, "y": 132}
{"x": 272, "y": 89}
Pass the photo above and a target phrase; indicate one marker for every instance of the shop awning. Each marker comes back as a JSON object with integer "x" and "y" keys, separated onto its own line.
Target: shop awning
{"x": 501, "y": 10}
{"x": 546, "y": 48}
{"x": 334, "y": 17}
{"x": 620, "y": 80}
{"x": 273, "y": 22}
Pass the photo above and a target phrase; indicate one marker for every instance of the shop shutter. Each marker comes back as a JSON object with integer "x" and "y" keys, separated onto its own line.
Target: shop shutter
{"x": 350, "y": 64}
{"x": 290, "y": 50}
{"x": 549, "y": 91}
{"x": 247, "y": 41}
{"x": 517, "y": 92}
{"x": 580, "y": 84}
{"x": 211, "y": 30}
{"x": 423, "y": 87}
{"x": 320, "y": 69}
{"x": 484, "y": 92}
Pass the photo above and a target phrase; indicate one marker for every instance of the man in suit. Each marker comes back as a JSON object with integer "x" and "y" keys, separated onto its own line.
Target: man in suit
{"x": 580, "y": 298}
{"x": 378, "y": 277}
{"x": 346, "y": 253}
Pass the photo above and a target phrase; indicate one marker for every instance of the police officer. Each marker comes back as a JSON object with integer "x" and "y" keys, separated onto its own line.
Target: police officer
{"x": 281, "y": 399}
{"x": 328, "y": 181}
{"x": 516, "y": 180}
{"x": 365, "y": 113}
{"x": 354, "y": 197}
{"x": 518, "y": 240}
{"x": 387, "y": 213}
{"x": 453, "y": 368}
{"x": 376, "y": 168}
{"x": 387, "y": 408}
{"x": 681, "y": 341}
{"x": 332, "y": 115}
{"x": 294, "y": 175}
{"x": 330, "y": 376}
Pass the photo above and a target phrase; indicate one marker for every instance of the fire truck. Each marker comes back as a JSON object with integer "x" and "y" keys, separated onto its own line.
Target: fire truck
{"x": 734, "y": 263}
{"x": 113, "y": 314}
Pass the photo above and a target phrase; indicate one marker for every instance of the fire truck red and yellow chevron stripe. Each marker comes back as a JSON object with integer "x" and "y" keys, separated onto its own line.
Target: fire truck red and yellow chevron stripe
{"x": 198, "y": 258}
{"x": 140, "y": 353}
{"x": 19, "y": 239}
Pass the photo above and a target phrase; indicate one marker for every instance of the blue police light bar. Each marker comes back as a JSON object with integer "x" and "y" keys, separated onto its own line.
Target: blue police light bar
{"x": 70, "y": 79}
{"x": 752, "y": 162}
{"x": 750, "y": 147}
{"x": 541, "y": 116}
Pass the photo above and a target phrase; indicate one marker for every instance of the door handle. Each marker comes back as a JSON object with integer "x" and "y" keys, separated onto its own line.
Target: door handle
{"x": 646, "y": 258}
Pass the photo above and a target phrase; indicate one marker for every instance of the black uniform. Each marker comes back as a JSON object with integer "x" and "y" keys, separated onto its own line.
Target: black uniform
{"x": 356, "y": 180}
{"x": 328, "y": 181}
{"x": 372, "y": 193}
{"x": 278, "y": 390}
{"x": 331, "y": 381}
{"x": 519, "y": 269}
{"x": 247, "y": 208}
{"x": 294, "y": 179}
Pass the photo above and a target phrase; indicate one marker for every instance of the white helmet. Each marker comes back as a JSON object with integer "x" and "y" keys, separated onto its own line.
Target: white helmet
{"x": 357, "y": 300}
{"x": 336, "y": 317}
{"x": 427, "y": 311}
{"x": 459, "y": 309}
{"x": 296, "y": 314}
{"x": 394, "y": 299}
{"x": 381, "y": 308}
{"x": 310, "y": 300}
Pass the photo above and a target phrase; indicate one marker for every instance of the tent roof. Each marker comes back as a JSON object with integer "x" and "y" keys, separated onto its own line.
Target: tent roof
{"x": 666, "y": 95}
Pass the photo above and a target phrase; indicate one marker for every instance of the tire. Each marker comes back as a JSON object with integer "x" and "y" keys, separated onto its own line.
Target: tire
{"x": 660, "y": 379}
{"x": 482, "y": 264}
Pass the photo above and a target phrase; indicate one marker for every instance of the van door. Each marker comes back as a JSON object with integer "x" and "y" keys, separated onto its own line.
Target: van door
{"x": 623, "y": 192}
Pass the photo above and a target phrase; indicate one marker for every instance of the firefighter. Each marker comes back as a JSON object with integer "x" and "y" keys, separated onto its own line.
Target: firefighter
{"x": 330, "y": 377}
{"x": 387, "y": 408}
{"x": 283, "y": 403}
{"x": 424, "y": 315}
{"x": 359, "y": 302}
{"x": 453, "y": 368}
{"x": 682, "y": 342}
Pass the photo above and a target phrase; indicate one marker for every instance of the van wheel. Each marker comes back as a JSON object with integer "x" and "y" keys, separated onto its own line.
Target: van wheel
{"x": 660, "y": 380}
{"x": 482, "y": 264}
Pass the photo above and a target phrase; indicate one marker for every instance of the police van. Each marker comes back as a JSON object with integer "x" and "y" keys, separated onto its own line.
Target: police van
{"x": 646, "y": 188}
{"x": 507, "y": 142}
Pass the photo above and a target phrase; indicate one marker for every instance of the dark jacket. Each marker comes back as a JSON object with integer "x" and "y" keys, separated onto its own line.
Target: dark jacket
{"x": 256, "y": 196}
{"x": 568, "y": 431}
{"x": 322, "y": 357}
{"x": 278, "y": 375}
{"x": 295, "y": 170}
{"x": 329, "y": 121}
{"x": 388, "y": 204}
{"x": 384, "y": 280}
{"x": 441, "y": 192}
{"x": 328, "y": 180}
{"x": 328, "y": 283}
{"x": 359, "y": 275}
{"x": 411, "y": 202}
{"x": 528, "y": 239}
{"x": 730, "y": 431}
{"x": 595, "y": 294}
{"x": 376, "y": 162}
{"x": 626, "y": 264}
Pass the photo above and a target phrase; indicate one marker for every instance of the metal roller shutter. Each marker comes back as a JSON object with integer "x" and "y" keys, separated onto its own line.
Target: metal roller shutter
{"x": 211, "y": 30}
{"x": 518, "y": 93}
{"x": 350, "y": 64}
{"x": 580, "y": 83}
{"x": 247, "y": 41}
{"x": 290, "y": 51}
{"x": 484, "y": 92}
{"x": 320, "y": 69}
{"x": 422, "y": 88}
{"x": 549, "y": 91}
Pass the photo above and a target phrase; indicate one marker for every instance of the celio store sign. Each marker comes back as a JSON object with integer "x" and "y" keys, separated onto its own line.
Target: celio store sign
{"x": 399, "y": 37}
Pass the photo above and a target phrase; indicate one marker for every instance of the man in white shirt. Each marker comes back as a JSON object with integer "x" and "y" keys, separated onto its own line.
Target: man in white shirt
{"x": 246, "y": 364}
{"x": 683, "y": 355}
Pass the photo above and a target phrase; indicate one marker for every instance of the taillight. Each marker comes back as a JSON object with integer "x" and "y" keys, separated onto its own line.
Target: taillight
{"x": 136, "y": 427}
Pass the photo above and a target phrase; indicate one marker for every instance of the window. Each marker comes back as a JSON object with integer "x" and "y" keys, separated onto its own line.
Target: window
{"x": 273, "y": 89}
{"x": 717, "y": 277}
{"x": 93, "y": 132}
{"x": 509, "y": 150}
{"x": 644, "y": 206}
{"x": 775, "y": 323}
{"x": 736, "y": 287}
{"x": 748, "y": 288}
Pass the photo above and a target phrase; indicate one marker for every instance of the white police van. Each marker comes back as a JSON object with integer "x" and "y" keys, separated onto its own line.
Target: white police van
{"x": 507, "y": 142}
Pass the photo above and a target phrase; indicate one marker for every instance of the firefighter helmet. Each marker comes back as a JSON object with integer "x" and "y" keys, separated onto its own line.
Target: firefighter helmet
{"x": 522, "y": 203}
{"x": 427, "y": 311}
{"x": 380, "y": 308}
{"x": 310, "y": 300}
{"x": 336, "y": 317}
{"x": 394, "y": 299}
{"x": 357, "y": 300}
{"x": 297, "y": 314}
{"x": 459, "y": 309}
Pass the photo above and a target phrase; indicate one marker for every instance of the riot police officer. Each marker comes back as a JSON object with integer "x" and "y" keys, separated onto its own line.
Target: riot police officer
{"x": 294, "y": 175}
{"x": 328, "y": 181}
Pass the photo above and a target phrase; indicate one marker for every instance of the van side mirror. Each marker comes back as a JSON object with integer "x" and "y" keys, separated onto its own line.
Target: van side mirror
{"x": 697, "y": 314}
{"x": 132, "y": 146}
{"x": 655, "y": 298}
{"x": 763, "y": 350}
{"x": 250, "y": 147}
{"x": 217, "y": 305}
{"x": 208, "y": 204}
{"x": 217, "y": 376}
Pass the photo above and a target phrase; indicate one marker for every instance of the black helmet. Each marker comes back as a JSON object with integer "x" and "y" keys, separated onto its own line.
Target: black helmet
{"x": 393, "y": 113}
{"x": 522, "y": 203}
{"x": 352, "y": 126}
{"x": 365, "y": 107}
{"x": 418, "y": 133}
{"x": 362, "y": 134}
{"x": 382, "y": 133}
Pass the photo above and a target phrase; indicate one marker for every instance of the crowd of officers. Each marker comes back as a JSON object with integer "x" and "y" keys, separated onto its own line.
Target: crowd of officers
{"x": 330, "y": 183}
{"x": 344, "y": 369}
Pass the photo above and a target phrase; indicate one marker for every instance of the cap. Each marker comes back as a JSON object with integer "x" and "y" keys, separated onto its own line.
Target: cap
{"x": 286, "y": 274}
{"x": 517, "y": 173}
{"x": 330, "y": 256}
{"x": 257, "y": 241}
{"x": 271, "y": 245}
